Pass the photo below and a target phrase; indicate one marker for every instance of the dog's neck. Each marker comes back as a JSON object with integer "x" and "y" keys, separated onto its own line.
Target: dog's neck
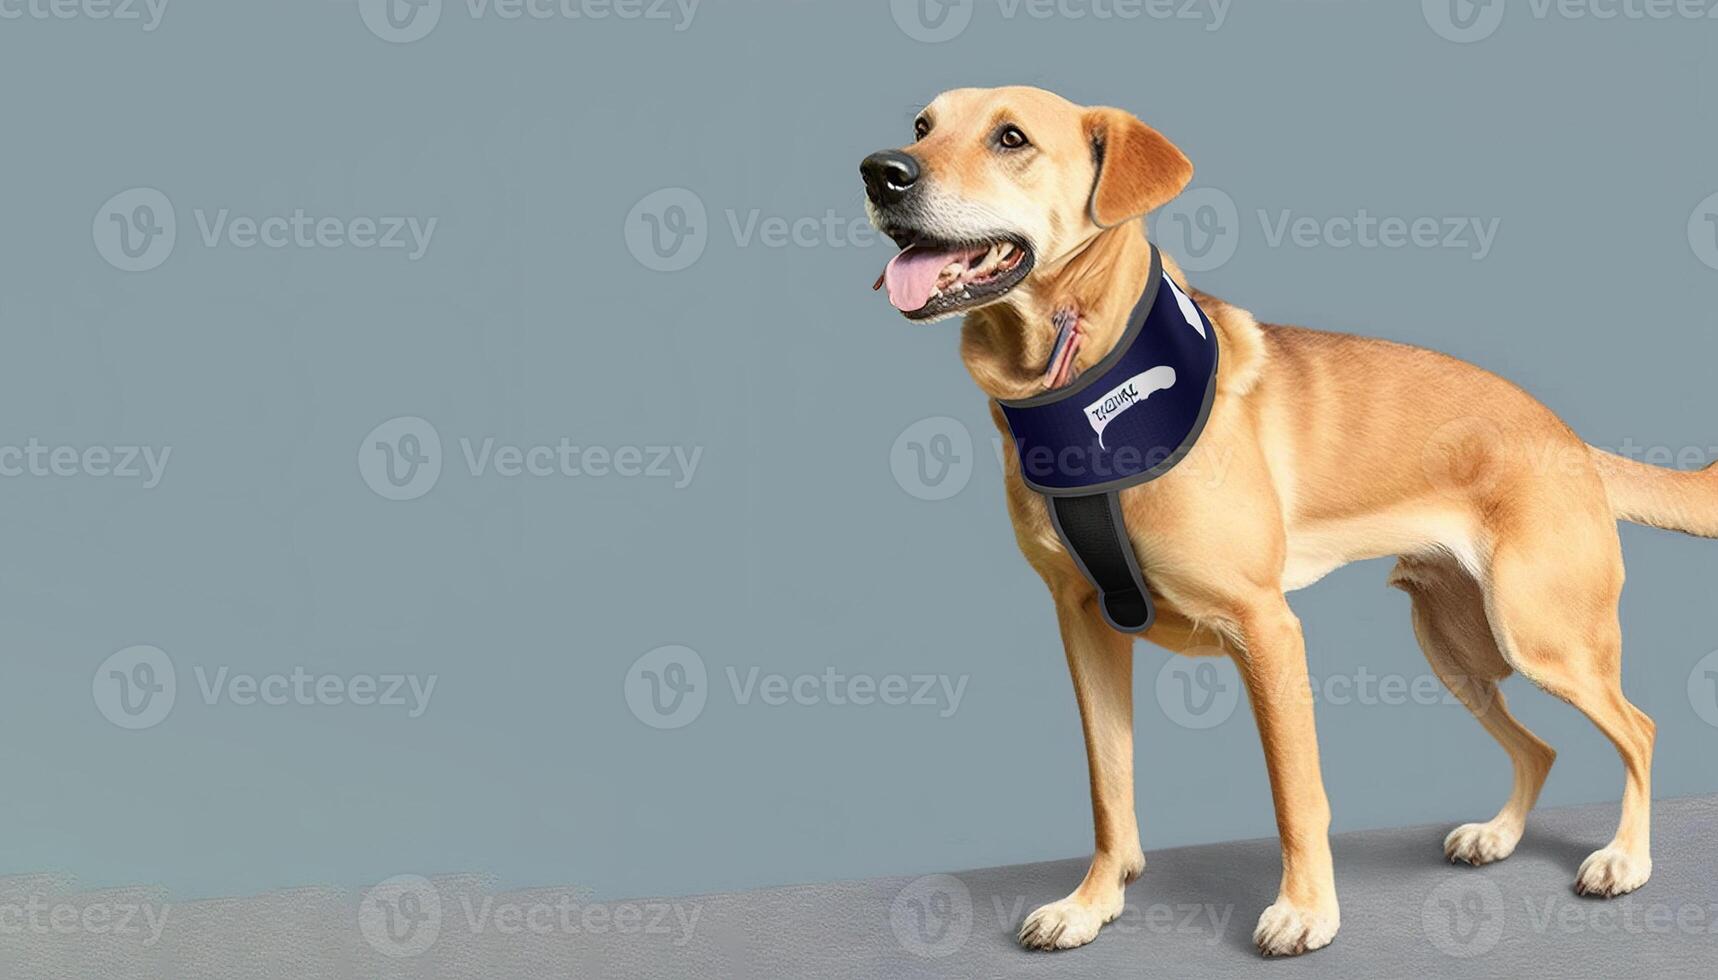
{"x": 1006, "y": 347}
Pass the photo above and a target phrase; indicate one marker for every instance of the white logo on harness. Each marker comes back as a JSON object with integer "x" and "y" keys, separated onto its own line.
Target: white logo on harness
{"x": 1188, "y": 310}
{"x": 1126, "y": 395}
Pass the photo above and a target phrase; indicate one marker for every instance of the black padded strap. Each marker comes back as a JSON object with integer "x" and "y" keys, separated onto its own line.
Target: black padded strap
{"x": 1095, "y": 532}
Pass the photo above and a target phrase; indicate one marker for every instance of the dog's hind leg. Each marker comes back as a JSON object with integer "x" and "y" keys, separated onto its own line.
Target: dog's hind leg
{"x": 1101, "y": 662}
{"x": 1450, "y": 621}
{"x": 1553, "y": 605}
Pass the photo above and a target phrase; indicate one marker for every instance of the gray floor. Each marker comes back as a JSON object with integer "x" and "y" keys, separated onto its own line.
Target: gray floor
{"x": 1405, "y": 913}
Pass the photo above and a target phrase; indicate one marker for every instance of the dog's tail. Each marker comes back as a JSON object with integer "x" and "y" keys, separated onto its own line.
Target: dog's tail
{"x": 1676, "y": 500}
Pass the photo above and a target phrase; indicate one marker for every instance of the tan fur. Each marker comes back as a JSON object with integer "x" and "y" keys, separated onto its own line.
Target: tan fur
{"x": 1321, "y": 449}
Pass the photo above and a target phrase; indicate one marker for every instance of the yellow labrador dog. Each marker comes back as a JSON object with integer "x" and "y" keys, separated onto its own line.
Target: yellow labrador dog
{"x": 1012, "y": 205}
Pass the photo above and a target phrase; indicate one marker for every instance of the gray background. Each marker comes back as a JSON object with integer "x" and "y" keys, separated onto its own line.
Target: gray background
{"x": 795, "y": 548}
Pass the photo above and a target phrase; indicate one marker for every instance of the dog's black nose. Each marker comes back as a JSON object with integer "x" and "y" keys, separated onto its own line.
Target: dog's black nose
{"x": 889, "y": 175}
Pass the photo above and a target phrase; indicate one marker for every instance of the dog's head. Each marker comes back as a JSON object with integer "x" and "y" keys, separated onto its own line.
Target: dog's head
{"x": 998, "y": 183}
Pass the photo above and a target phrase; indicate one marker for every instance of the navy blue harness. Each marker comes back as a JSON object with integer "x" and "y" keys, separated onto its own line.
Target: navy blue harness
{"x": 1128, "y": 420}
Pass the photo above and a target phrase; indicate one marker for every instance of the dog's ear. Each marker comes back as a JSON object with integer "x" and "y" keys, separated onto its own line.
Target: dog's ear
{"x": 1138, "y": 168}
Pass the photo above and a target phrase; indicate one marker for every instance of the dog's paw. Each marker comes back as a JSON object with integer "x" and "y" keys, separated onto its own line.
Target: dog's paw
{"x": 1612, "y": 871}
{"x": 1481, "y": 843}
{"x": 1285, "y": 930}
{"x": 1064, "y": 925}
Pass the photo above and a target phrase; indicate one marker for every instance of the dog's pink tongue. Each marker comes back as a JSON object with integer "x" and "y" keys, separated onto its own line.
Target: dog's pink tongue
{"x": 912, "y": 276}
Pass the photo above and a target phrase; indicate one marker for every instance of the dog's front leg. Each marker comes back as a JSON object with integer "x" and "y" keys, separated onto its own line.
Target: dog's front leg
{"x": 1273, "y": 663}
{"x": 1101, "y": 662}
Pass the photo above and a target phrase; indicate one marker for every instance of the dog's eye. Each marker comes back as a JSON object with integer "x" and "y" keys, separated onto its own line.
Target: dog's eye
{"x": 1011, "y": 138}
{"x": 921, "y": 127}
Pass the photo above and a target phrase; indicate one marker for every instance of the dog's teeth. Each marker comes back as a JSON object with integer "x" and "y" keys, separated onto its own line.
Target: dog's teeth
{"x": 990, "y": 261}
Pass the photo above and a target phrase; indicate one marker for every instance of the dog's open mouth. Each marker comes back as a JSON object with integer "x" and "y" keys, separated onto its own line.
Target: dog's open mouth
{"x": 931, "y": 279}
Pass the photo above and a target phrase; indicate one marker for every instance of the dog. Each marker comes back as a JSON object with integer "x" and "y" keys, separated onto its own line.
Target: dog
{"x": 1026, "y": 213}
